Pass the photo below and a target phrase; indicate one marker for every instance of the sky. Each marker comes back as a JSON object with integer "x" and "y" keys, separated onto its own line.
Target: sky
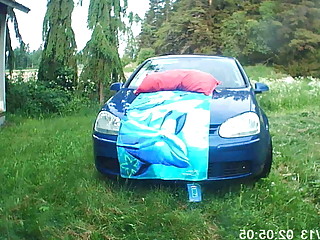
{"x": 30, "y": 24}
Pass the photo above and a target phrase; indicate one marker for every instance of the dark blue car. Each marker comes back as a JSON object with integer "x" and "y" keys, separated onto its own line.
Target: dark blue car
{"x": 239, "y": 140}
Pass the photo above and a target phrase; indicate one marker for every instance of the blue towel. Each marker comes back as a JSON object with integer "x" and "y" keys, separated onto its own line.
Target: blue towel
{"x": 165, "y": 135}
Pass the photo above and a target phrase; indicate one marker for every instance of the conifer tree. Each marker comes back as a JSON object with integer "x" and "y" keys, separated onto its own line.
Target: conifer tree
{"x": 281, "y": 32}
{"x": 187, "y": 31}
{"x": 131, "y": 50}
{"x": 157, "y": 14}
{"x": 58, "y": 64}
{"x": 101, "y": 57}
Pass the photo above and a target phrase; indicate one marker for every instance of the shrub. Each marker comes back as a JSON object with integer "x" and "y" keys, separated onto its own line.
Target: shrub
{"x": 33, "y": 98}
{"x": 65, "y": 79}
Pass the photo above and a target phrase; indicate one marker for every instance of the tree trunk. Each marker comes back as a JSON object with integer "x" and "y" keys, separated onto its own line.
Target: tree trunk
{"x": 101, "y": 93}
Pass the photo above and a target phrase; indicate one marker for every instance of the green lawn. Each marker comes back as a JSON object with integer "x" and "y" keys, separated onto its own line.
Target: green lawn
{"x": 51, "y": 190}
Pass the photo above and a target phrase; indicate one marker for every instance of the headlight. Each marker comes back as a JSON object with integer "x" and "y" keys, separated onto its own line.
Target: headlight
{"x": 107, "y": 123}
{"x": 246, "y": 124}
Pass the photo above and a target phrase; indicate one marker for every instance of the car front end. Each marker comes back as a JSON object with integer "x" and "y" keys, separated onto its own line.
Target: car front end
{"x": 239, "y": 139}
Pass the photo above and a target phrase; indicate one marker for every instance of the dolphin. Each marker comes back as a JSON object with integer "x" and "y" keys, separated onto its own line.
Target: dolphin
{"x": 155, "y": 146}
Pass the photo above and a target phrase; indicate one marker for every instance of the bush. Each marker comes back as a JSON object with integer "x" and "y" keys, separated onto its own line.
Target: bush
{"x": 65, "y": 78}
{"x": 33, "y": 98}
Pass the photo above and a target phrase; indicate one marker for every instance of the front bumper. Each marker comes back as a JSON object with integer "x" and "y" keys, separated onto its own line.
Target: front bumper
{"x": 228, "y": 158}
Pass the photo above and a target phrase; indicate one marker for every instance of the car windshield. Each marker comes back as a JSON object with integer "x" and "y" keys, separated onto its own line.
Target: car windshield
{"x": 223, "y": 69}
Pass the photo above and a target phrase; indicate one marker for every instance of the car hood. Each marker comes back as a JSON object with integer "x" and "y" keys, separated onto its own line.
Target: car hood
{"x": 226, "y": 103}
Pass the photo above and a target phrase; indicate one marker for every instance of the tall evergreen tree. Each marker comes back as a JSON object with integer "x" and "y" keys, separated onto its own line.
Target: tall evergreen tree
{"x": 58, "y": 64}
{"x": 188, "y": 30}
{"x": 131, "y": 50}
{"x": 157, "y": 14}
{"x": 244, "y": 32}
{"x": 282, "y": 32}
{"x": 102, "y": 61}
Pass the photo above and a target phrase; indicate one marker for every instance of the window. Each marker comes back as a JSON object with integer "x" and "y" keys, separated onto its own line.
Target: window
{"x": 223, "y": 69}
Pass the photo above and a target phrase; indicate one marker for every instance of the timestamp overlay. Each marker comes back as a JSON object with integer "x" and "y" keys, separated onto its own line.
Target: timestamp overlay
{"x": 288, "y": 234}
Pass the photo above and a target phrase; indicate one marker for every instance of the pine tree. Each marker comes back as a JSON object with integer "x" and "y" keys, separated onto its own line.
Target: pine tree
{"x": 188, "y": 30}
{"x": 102, "y": 61}
{"x": 282, "y": 32}
{"x": 131, "y": 50}
{"x": 157, "y": 14}
{"x": 58, "y": 64}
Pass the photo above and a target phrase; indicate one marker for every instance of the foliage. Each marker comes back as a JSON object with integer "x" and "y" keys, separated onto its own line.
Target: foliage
{"x": 131, "y": 50}
{"x": 21, "y": 60}
{"x": 102, "y": 62}
{"x": 35, "y": 57}
{"x": 144, "y": 54}
{"x": 35, "y": 98}
{"x": 299, "y": 36}
{"x": 187, "y": 31}
{"x": 153, "y": 20}
{"x": 284, "y": 33}
{"x": 59, "y": 53}
{"x": 51, "y": 190}
{"x": 24, "y": 59}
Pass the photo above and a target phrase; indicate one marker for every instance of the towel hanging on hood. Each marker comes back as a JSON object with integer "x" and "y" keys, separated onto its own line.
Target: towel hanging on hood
{"x": 165, "y": 135}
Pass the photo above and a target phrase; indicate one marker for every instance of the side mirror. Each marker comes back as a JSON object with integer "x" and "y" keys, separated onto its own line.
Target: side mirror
{"x": 260, "y": 88}
{"x": 116, "y": 86}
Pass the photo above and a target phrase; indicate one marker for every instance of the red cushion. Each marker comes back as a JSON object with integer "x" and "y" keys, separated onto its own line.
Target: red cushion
{"x": 184, "y": 80}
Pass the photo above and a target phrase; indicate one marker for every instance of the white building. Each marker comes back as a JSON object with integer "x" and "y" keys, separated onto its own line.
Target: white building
{"x": 4, "y": 6}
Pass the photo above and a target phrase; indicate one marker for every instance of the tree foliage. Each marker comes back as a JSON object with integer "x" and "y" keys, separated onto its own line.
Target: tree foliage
{"x": 145, "y": 53}
{"x": 131, "y": 50}
{"x": 102, "y": 63}
{"x": 24, "y": 58}
{"x": 58, "y": 64}
{"x": 285, "y": 33}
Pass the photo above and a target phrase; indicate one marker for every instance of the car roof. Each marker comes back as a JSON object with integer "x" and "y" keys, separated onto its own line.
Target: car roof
{"x": 191, "y": 56}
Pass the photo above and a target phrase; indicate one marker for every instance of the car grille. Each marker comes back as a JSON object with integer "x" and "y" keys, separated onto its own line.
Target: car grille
{"x": 228, "y": 169}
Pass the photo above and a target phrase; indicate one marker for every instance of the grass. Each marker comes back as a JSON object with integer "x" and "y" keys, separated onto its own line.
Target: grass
{"x": 262, "y": 71}
{"x": 51, "y": 190}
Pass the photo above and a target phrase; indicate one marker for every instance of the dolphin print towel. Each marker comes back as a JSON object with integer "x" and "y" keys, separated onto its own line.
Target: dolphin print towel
{"x": 164, "y": 135}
